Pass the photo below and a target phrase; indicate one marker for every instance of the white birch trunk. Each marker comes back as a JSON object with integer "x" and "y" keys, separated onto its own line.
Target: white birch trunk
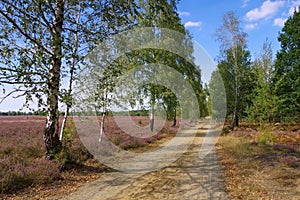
{"x": 72, "y": 71}
{"x": 51, "y": 138}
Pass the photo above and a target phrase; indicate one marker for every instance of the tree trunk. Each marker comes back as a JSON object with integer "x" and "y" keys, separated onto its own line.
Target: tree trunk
{"x": 232, "y": 122}
{"x": 174, "y": 118}
{"x": 63, "y": 125}
{"x": 235, "y": 121}
{"x": 152, "y": 103}
{"x": 102, "y": 127}
{"x": 105, "y": 105}
{"x": 236, "y": 92}
{"x": 152, "y": 119}
{"x": 51, "y": 138}
{"x": 72, "y": 70}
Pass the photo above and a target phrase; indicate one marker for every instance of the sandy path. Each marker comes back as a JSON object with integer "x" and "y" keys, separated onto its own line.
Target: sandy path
{"x": 189, "y": 177}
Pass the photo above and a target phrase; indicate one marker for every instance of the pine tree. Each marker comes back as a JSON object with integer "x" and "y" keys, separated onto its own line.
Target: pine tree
{"x": 263, "y": 105}
{"x": 286, "y": 81}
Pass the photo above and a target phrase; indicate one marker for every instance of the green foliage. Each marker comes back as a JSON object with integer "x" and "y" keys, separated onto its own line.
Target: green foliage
{"x": 243, "y": 87}
{"x": 217, "y": 96}
{"x": 234, "y": 66}
{"x": 265, "y": 136}
{"x": 117, "y": 139}
{"x": 72, "y": 149}
{"x": 156, "y": 14}
{"x": 264, "y": 102}
{"x": 225, "y": 130}
{"x": 286, "y": 80}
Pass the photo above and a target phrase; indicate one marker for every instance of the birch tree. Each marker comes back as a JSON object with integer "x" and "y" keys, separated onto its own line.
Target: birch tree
{"x": 233, "y": 42}
{"x": 41, "y": 41}
{"x": 163, "y": 14}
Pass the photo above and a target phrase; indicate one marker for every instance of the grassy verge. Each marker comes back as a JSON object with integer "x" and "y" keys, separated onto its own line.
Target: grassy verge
{"x": 256, "y": 167}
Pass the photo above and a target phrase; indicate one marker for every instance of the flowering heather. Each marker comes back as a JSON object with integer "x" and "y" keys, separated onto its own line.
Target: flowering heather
{"x": 125, "y": 141}
{"x": 21, "y": 153}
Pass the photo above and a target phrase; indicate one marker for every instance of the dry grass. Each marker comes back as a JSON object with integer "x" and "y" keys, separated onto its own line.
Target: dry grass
{"x": 259, "y": 171}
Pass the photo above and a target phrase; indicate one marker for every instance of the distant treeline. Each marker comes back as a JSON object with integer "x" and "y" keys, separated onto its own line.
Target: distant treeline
{"x": 43, "y": 113}
{"x": 15, "y": 113}
{"x": 132, "y": 113}
{"x": 110, "y": 113}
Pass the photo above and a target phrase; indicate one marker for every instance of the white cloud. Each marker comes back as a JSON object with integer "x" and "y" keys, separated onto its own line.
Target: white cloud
{"x": 250, "y": 26}
{"x": 192, "y": 24}
{"x": 294, "y": 6}
{"x": 291, "y": 11}
{"x": 279, "y": 22}
{"x": 245, "y": 3}
{"x": 267, "y": 9}
{"x": 183, "y": 13}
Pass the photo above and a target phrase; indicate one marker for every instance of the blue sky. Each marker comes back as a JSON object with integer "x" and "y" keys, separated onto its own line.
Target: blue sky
{"x": 260, "y": 19}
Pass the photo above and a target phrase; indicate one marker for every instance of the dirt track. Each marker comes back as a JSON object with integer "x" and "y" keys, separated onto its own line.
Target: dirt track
{"x": 189, "y": 177}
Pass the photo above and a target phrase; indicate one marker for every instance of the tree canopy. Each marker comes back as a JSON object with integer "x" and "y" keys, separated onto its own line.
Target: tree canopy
{"x": 286, "y": 80}
{"x": 234, "y": 66}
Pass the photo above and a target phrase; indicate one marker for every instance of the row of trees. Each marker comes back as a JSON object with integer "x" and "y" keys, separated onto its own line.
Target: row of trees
{"x": 156, "y": 14}
{"x": 16, "y": 113}
{"x": 265, "y": 90}
{"x": 43, "y": 45}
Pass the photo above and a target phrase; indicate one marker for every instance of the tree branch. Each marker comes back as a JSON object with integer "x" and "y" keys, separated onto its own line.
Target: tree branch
{"x": 12, "y": 92}
{"x": 48, "y": 25}
{"x": 17, "y": 71}
{"x": 21, "y": 82}
{"x": 24, "y": 33}
{"x": 26, "y": 14}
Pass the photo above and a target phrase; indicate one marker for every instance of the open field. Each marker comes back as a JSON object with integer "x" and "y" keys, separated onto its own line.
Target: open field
{"x": 262, "y": 163}
{"x": 24, "y": 171}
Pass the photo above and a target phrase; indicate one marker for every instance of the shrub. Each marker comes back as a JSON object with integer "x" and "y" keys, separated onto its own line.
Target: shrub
{"x": 225, "y": 130}
{"x": 140, "y": 122}
{"x": 73, "y": 150}
{"x": 117, "y": 139}
{"x": 265, "y": 137}
{"x": 19, "y": 172}
{"x": 236, "y": 146}
{"x": 11, "y": 180}
{"x": 132, "y": 142}
{"x": 32, "y": 151}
